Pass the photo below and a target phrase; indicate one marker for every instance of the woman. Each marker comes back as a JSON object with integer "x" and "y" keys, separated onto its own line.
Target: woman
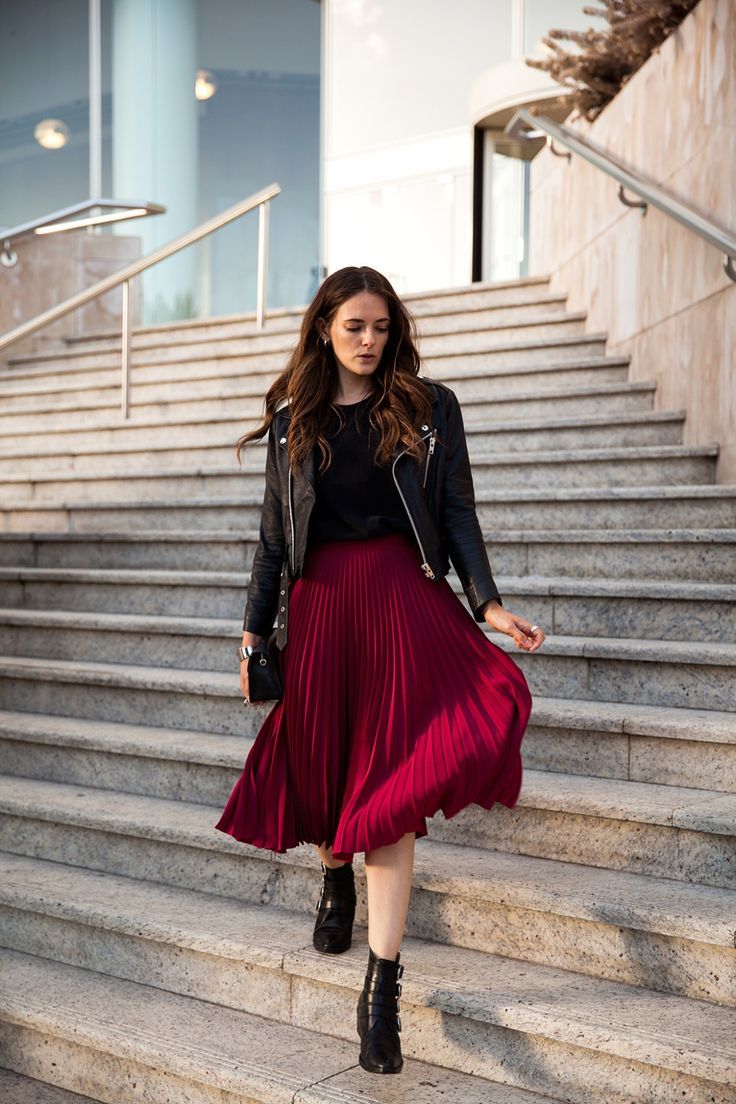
{"x": 396, "y": 704}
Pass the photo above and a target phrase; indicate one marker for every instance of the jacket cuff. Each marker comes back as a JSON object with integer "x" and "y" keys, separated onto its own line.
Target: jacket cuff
{"x": 478, "y": 614}
{"x": 252, "y": 625}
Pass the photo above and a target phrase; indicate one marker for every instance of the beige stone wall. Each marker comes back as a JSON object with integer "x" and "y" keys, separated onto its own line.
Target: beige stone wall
{"x": 52, "y": 268}
{"x": 657, "y": 289}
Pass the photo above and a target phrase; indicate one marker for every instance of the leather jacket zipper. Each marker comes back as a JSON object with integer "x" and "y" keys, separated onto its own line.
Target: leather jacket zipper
{"x": 292, "y": 558}
{"x": 425, "y": 566}
{"x": 430, "y": 450}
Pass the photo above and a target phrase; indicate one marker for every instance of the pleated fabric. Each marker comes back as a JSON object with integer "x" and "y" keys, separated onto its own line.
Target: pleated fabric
{"x": 396, "y": 705}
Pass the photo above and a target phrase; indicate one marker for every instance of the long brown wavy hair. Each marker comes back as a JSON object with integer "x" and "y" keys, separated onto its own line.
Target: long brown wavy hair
{"x": 309, "y": 379}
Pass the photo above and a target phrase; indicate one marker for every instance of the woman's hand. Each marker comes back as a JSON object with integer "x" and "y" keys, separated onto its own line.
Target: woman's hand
{"x": 244, "y": 686}
{"x": 252, "y": 639}
{"x": 514, "y": 626}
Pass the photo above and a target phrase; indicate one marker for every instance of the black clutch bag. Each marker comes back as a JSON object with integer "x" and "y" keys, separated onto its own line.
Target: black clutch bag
{"x": 264, "y": 675}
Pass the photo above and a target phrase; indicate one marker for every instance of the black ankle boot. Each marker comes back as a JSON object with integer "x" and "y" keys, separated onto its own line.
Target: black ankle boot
{"x": 379, "y": 1022}
{"x": 333, "y": 928}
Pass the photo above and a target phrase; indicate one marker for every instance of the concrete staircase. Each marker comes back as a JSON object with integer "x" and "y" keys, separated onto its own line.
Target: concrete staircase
{"x": 578, "y": 948}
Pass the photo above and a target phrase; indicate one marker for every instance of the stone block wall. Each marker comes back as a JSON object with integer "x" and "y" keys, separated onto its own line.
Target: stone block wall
{"x": 658, "y": 290}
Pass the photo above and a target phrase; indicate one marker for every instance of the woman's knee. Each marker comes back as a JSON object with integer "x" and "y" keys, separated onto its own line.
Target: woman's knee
{"x": 389, "y": 850}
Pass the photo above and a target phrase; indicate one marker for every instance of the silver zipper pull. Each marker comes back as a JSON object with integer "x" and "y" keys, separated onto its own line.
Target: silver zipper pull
{"x": 428, "y": 571}
{"x": 430, "y": 450}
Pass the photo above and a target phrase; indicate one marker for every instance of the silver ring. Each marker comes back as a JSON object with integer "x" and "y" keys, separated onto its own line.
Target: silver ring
{"x": 534, "y": 627}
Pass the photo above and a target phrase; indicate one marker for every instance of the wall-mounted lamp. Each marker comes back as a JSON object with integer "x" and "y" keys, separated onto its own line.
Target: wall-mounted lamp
{"x": 51, "y": 134}
{"x": 205, "y": 85}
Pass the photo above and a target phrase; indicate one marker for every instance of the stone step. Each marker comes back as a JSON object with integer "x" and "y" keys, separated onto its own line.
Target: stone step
{"x": 674, "y": 832}
{"x": 148, "y": 1043}
{"x": 280, "y": 319}
{"x": 216, "y": 442}
{"x": 664, "y": 745}
{"x": 608, "y": 924}
{"x": 576, "y": 433}
{"x": 514, "y": 372}
{"x": 609, "y": 467}
{"x": 184, "y": 331}
{"x": 478, "y": 293}
{"x": 471, "y": 330}
{"x": 671, "y": 832}
{"x": 471, "y": 382}
{"x": 240, "y": 962}
{"x": 502, "y": 296}
{"x": 157, "y": 434}
{"x": 478, "y": 296}
{"x": 653, "y": 507}
{"x": 237, "y": 398}
{"x": 548, "y": 404}
{"x": 633, "y": 555}
{"x": 267, "y": 350}
{"x": 638, "y": 743}
{"x": 631, "y": 487}
{"x": 645, "y": 507}
{"x": 533, "y": 318}
{"x": 16, "y": 1088}
{"x": 560, "y": 669}
{"x": 680, "y": 610}
{"x": 648, "y": 672}
{"x": 531, "y": 321}
{"x": 682, "y": 674}
{"x": 497, "y": 409}
{"x": 515, "y": 376}
{"x": 125, "y": 1040}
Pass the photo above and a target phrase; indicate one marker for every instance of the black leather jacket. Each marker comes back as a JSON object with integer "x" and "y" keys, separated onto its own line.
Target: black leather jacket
{"x": 438, "y": 496}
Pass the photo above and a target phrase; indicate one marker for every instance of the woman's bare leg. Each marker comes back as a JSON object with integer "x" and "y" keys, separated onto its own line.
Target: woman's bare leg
{"x": 325, "y": 854}
{"x": 388, "y": 872}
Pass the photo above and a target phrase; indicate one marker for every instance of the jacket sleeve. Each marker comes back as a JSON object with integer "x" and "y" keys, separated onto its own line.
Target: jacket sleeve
{"x": 265, "y": 572}
{"x": 458, "y": 518}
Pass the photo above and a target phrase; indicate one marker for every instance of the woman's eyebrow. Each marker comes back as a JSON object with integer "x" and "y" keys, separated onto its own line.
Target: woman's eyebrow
{"x": 363, "y": 320}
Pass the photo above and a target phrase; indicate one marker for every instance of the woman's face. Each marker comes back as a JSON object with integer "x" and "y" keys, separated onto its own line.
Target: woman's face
{"x": 359, "y": 332}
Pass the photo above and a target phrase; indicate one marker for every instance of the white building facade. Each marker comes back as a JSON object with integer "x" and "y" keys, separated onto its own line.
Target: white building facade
{"x": 418, "y": 179}
{"x": 381, "y": 121}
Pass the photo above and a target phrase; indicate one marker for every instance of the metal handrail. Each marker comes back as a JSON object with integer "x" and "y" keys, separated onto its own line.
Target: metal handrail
{"x": 52, "y": 224}
{"x": 259, "y": 199}
{"x": 525, "y": 125}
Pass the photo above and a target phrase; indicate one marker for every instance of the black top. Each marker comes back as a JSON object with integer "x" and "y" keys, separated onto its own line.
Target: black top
{"x": 355, "y": 498}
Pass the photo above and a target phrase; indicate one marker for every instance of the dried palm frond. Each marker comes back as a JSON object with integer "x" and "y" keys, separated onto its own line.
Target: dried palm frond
{"x": 605, "y": 59}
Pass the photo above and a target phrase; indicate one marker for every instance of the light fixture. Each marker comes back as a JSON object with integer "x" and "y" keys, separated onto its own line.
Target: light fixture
{"x": 51, "y": 133}
{"x": 94, "y": 220}
{"x": 205, "y": 84}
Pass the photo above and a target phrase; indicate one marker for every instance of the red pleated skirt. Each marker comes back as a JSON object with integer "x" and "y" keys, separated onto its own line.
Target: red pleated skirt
{"x": 396, "y": 705}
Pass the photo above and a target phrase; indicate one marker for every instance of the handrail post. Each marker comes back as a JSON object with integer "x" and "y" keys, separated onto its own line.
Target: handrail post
{"x": 263, "y": 210}
{"x": 125, "y": 363}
